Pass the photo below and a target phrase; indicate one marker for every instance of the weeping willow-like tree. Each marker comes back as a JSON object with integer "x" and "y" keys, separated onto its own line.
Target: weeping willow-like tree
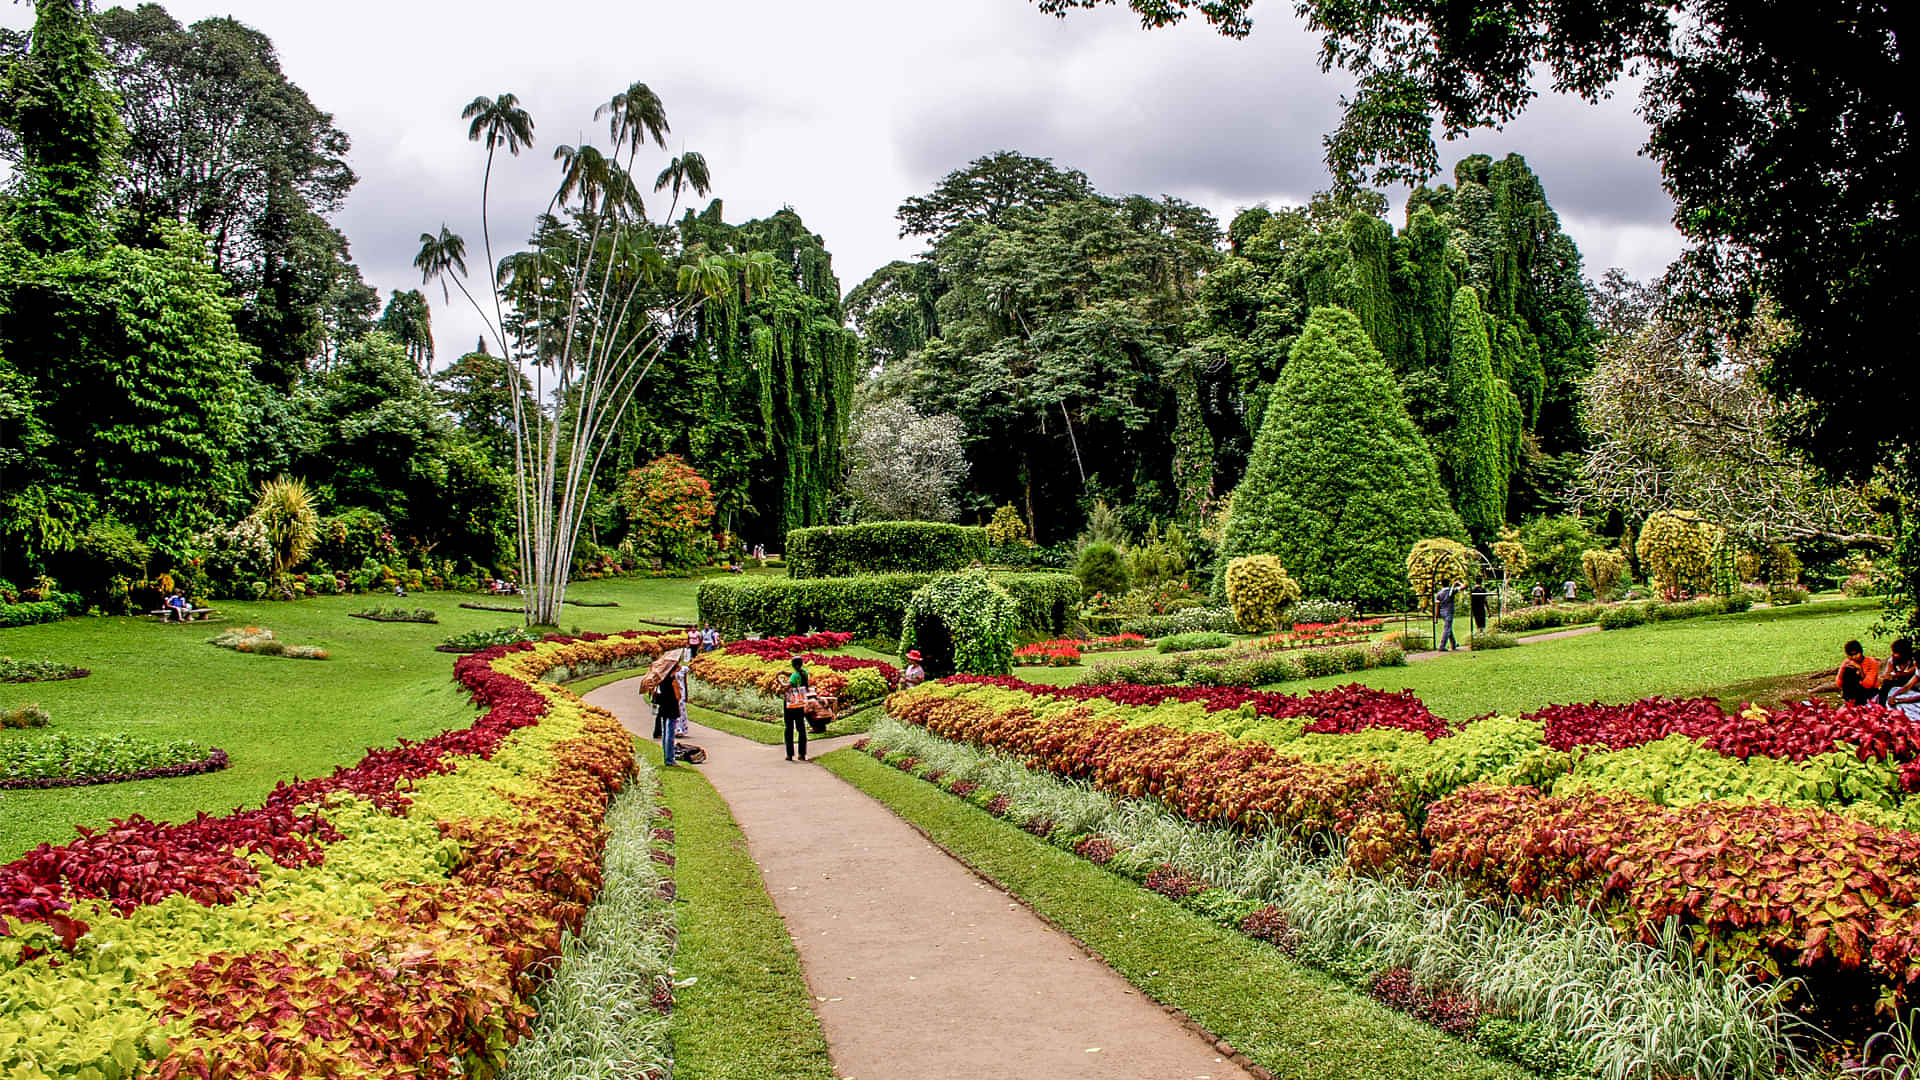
{"x": 584, "y": 311}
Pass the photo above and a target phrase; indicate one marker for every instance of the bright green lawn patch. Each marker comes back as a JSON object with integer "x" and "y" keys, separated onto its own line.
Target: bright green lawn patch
{"x": 277, "y": 720}
{"x": 1680, "y": 658}
{"x": 748, "y": 1017}
{"x": 1298, "y": 1023}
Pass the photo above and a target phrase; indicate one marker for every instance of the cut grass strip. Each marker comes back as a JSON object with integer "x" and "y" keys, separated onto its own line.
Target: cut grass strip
{"x": 1295, "y": 1022}
{"x": 748, "y": 1016}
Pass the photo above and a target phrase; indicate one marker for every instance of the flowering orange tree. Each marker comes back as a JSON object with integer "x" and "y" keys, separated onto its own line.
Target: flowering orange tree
{"x": 671, "y": 508}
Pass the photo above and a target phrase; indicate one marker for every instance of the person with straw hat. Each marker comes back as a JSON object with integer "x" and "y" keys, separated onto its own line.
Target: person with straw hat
{"x": 915, "y": 673}
{"x": 669, "y": 708}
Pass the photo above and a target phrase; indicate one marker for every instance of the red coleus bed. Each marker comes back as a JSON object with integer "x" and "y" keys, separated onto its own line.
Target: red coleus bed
{"x": 1774, "y": 886}
{"x": 1204, "y": 775}
{"x": 781, "y": 648}
{"x": 1795, "y": 732}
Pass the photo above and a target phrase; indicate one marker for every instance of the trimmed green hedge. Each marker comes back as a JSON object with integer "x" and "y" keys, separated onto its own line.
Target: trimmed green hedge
{"x": 884, "y": 547}
{"x": 870, "y": 605}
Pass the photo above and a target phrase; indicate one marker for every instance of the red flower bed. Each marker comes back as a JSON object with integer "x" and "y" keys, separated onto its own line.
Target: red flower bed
{"x": 782, "y": 648}
{"x": 1794, "y": 733}
{"x": 1047, "y": 654}
{"x": 1343, "y": 709}
{"x": 1204, "y": 776}
{"x": 137, "y": 861}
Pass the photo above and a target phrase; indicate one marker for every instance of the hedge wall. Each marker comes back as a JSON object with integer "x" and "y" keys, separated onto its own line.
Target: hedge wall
{"x": 884, "y": 547}
{"x": 870, "y": 605}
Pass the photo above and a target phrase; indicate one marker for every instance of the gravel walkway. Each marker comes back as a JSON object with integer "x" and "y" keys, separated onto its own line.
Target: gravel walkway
{"x": 919, "y": 970}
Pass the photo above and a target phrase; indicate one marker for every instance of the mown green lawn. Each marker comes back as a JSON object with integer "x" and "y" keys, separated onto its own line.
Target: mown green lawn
{"x": 277, "y": 718}
{"x": 1724, "y": 654}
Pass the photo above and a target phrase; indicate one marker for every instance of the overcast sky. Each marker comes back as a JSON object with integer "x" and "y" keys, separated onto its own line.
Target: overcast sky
{"x": 841, "y": 108}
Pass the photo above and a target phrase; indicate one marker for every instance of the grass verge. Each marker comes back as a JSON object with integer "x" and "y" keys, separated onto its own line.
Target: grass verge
{"x": 748, "y": 1017}
{"x": 1295, "y": 1022}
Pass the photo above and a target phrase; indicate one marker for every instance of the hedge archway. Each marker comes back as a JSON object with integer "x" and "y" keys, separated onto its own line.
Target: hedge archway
{"x": 961, "y": 623}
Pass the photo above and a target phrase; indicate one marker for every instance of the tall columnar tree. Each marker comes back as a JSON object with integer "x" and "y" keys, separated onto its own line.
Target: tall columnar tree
{"x": 1341, "y": 484}
{"x": 66, "y": 129}
{"x": 1486, "y": 428}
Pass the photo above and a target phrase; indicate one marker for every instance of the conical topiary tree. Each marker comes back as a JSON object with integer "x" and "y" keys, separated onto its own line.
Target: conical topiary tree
{"x": 1341, "y": 484}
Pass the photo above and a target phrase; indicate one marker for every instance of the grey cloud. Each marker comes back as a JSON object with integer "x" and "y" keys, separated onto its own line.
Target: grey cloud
{"x": 843, "y": 109}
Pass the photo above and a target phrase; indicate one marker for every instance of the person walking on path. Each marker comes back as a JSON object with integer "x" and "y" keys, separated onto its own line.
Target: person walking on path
{"x": 709, "y": 639}
{"x": 1443, "y": 606}
{"x": 1572, "y": 590}
{"x": 669, "y": 711}
{"x": 693, "y": 641}
{"x": 797, "y": 708}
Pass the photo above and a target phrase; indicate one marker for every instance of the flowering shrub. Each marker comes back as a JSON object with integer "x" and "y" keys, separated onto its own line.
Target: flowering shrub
{"x": 670, "y": 506}
{"x": 1046, "y": 654}
{"x": 387, "y": 920}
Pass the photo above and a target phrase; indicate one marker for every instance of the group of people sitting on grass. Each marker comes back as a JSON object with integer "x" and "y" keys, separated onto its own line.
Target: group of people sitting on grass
{"x": 503, "y": 588}
{"x": 1893, "y": 682}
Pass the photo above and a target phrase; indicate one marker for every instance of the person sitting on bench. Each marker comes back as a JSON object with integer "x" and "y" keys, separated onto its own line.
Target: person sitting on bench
{"x": 178, "y": 610}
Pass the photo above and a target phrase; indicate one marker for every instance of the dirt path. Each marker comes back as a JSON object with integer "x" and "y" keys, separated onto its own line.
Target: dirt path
{"x": 919, "y": 970}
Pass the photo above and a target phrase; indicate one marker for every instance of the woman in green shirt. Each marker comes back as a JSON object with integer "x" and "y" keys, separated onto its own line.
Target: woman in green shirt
{"x": 797, "y": 708}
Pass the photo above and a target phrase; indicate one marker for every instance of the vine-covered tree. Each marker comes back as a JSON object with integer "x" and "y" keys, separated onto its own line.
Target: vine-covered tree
{"x": 1485, "y": 435}
{"x": 1341, "y": 484}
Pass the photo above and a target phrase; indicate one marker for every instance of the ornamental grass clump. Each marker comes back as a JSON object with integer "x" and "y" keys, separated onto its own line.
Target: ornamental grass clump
{"x": 607, "y": 1008}
{"x": 253, "y": 639}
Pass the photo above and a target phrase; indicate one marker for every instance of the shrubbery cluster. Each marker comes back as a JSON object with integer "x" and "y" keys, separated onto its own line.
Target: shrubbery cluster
{"x": 904, "y": 547}
{"x": 869, "y": 605}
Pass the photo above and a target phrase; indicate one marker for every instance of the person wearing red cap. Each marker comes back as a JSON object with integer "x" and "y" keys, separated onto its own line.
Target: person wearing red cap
{"x": 915, "y": 674}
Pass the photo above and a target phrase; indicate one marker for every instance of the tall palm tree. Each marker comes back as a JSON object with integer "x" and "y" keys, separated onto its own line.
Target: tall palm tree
{"x": 498, "y": 122}
{"x": 633, "y": 115}
{"x": 686, "y": 172}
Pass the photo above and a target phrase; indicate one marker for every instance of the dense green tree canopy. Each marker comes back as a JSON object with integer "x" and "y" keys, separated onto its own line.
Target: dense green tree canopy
{"x": 1047, "y": 316}
{"x": 1341, "y": 484}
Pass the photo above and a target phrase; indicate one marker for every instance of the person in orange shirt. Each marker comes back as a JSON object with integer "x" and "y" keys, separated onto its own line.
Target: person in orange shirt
{"x": 1859, "y": 676}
